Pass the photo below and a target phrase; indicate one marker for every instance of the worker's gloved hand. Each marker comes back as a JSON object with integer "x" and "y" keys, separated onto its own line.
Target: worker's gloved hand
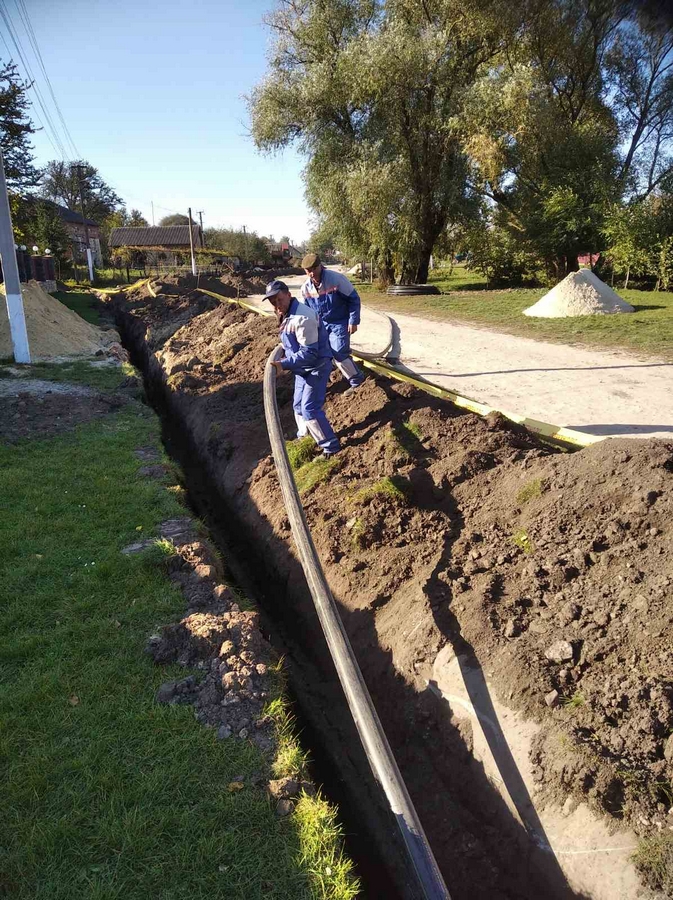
{"x": 277, "y": 366}
{"x": 352, "y": 329}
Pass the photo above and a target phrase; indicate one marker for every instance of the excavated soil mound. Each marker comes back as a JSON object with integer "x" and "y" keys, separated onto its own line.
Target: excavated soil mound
{"x": 435, "y": 526}
{"x": 53, "y": 329}
{"x": 579, "y": 294}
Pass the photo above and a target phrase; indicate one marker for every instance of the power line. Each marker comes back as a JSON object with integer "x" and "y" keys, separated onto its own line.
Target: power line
{"x": 37, "y": 115}
{"x": 32, "y": 38}
{"x": 16, "y": 40}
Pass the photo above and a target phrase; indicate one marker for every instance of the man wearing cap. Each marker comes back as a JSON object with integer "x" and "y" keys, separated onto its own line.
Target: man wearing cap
{"x": 337, "y": 303}
{"x": 309, "y": 357}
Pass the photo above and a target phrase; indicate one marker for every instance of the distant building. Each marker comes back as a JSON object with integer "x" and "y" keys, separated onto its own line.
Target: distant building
{"x": 160, "y": 244}
{"x": 283, "y": 253}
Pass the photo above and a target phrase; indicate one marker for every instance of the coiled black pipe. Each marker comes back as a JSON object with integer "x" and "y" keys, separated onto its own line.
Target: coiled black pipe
{"x": 431, "y": 885}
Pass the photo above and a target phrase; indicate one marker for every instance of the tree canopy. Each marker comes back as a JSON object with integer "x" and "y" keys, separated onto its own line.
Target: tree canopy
{"x": 16, "y": 129}
{"x": 61, "y": 184}
{"x": 235, "y": 242}
{"x": 174, "y": 219}
{"x": 418, "y": 118}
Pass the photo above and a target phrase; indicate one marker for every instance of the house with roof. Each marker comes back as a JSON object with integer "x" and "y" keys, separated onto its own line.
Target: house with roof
{"x": 76, "y": 226}
{"x": 159, "y": 244}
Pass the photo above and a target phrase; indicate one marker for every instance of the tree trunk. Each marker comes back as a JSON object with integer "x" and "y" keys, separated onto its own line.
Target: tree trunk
{"x": 387, "y": 269}
{"x": 626, "y": 280}
{"x": 573, "y": 263}
{"x": 423, "y": 268}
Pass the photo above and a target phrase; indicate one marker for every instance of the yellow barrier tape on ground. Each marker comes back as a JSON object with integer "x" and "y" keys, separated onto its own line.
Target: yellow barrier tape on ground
{"x": 122, "y": 287}
{"x": 555, "y": 432}
{"x": 153, "y": 293}
{"x": 566, "y": 436}
{"x": 239, "y": 302}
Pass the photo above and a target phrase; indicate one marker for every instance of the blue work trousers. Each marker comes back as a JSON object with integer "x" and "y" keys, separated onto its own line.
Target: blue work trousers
{"x": 310, "y": 388}
{"x": 340, "y": 343}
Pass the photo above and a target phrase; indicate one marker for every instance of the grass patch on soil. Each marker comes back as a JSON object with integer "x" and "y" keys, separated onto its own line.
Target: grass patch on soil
{"x": 313, "y": 473}
{"x": 102, "y": 377}
{"x": 654, "y": 860}
{"x": 81, "y": 302}
{"x": 107, "y": 795}
{"x": 529, "y": 491}
{"x": 523, "y": 541}
{"x": 389, "y": 487}
{"x": 575, "y": 702}
{"x": 300, "y": 452}
{"x": 649, "y": 330}
{"x": 404, "y": 441}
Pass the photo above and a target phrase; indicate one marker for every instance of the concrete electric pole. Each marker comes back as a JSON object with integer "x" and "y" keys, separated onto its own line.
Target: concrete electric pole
{"x": 10, "y": 271}
{"x": 191, "y": 242}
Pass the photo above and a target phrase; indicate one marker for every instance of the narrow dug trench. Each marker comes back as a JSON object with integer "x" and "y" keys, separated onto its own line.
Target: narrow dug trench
{"x": 445, "y": 536}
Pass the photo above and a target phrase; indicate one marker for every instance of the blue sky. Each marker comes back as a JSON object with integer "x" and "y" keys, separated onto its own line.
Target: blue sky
{"x": 152, "y": 94}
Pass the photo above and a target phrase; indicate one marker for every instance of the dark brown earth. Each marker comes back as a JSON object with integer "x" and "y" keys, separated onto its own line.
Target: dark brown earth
{"x": 31, "y": 409}
{"x": 217, "y": 638}
{"x": 554, "y": 570}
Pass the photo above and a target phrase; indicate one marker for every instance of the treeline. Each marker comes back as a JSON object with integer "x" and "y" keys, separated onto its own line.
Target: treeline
{"x": 524, "y": 134}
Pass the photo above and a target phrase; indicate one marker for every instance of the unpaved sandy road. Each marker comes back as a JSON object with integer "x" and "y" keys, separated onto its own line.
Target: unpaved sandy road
{"x": 608, "y": 394}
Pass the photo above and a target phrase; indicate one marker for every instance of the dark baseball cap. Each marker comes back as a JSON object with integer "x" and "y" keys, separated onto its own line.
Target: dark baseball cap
{"x": 273, "y": 288}
{"x": 310, "y": 261}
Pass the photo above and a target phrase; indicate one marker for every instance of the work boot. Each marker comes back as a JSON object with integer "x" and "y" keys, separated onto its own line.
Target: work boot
{"x": 353, "y": 388}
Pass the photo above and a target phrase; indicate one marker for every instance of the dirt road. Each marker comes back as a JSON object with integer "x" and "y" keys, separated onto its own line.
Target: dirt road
{"x": 610, "y": 394}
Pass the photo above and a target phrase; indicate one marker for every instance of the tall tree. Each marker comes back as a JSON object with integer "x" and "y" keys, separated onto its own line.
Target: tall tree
{"x": 371, "y": 91}
{"x": 577, "y": 115}
{"x": 61, "y": 183}
{"x": 16, "y": 129}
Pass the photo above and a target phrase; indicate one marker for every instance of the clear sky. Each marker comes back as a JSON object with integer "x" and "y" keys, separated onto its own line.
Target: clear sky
{"x": 152, "y": 93}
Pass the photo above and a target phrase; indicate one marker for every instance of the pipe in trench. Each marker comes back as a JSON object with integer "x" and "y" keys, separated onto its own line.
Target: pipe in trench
{"x": 375, "y": 743}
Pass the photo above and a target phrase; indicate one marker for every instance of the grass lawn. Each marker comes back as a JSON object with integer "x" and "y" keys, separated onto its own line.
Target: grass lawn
{"x": 81, "y": 303}
{"x": 648, "y": 331}
{"x": 106, "y": 795}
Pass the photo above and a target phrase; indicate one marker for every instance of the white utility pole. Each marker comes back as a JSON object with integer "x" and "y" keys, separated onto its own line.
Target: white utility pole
{"x": 152, "y": 201}
{"x": 10, "y": 271}
{"x": 191, "y": 242}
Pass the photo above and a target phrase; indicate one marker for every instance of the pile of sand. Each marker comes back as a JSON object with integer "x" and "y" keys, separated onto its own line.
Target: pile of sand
{"x": 53, "y": 329}
{"x": 579, "y": 294}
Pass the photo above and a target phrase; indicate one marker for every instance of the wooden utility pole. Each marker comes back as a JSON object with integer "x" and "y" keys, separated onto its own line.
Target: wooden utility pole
{"x": 200, "y": 215}
{"x": 10, "y": 271}
{"x": 245, "y": 242}
{"x": 191, "y": 242}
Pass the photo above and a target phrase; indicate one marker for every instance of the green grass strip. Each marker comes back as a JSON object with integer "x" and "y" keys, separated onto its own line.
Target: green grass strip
{"x": 106, "y": 795}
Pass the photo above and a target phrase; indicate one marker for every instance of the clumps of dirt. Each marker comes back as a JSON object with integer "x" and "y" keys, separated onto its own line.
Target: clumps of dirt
{"x": 223, "y": 643}
{"x": 568, "y": 566}
{"x": 53, "y": 329}
{"x": 31, "y": 409}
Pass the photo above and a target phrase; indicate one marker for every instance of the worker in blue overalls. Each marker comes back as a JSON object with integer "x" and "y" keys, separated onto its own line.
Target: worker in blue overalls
{"x": 337, "y": 303}
{"x": 309, "y": 357}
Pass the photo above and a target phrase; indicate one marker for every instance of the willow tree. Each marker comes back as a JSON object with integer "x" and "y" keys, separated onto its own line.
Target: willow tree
{"x": 576, "y": 116}
{"x": 373, "y": 93}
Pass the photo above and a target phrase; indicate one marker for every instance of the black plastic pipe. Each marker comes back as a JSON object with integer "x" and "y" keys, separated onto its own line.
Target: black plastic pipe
{"x": 429, "y": 879}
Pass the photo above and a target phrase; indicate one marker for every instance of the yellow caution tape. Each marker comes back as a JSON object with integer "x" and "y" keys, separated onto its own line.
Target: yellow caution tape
{"x": 122, "y": 287}
{"x": 238, "y": 302}
{"x": 545, "y": 429}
